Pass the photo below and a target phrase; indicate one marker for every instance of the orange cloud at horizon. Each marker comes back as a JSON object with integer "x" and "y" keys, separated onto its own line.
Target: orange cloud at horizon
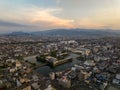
{"x": 46, "y": 18}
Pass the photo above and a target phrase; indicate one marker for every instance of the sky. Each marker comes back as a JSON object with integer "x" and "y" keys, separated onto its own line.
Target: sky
{"x": 37, "y": 15}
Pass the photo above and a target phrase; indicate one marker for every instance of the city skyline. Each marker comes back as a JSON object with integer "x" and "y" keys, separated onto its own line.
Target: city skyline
{"x": 37, "y": 15}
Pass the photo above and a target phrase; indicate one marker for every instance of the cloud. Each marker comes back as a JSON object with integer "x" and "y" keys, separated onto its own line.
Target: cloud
{"x": 58, "y": 1}
{"x": 25, "y": 15}
{"x": 90, "y": 24}
{"x": 10, "y": 24}
{"x": 38, "y": 18}
{"x": 40, "y": 15}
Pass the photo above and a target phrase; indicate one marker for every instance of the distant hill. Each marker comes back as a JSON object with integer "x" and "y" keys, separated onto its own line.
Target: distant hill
{"x": 77, "y": 32}
{"x": 20, "y": 33}
{"x": 72, "y": 32}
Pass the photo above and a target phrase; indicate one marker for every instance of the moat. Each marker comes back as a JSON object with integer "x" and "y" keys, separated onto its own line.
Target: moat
{"x": 45, "y": 70}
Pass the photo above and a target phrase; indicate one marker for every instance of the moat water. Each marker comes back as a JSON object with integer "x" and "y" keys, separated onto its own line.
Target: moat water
{"x": 45, "y": 70}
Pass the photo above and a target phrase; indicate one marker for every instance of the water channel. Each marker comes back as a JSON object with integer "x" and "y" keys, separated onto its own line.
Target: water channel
{"x": 45, "y": 70}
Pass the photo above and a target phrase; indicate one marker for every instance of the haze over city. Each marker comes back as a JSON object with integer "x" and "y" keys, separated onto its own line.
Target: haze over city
{"x": 37, "y": 15}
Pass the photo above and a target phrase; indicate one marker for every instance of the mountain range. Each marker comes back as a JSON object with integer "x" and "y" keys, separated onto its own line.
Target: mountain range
{"x": 71, "y": 32}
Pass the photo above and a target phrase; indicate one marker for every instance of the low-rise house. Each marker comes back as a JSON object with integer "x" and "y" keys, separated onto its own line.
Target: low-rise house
{"x": 50, "y": 88}
{"x": 27, "y": 88}
{"x": 35, "y": 86}
{"x": 89, "y": 63}
{"x": 18, "y": 83}
{"x": 18, "y": 64}
{"x": 65, "y": 82}
{"x": 52, "y": 75}
{"x": 35, "y": 78}
{"x": 118, "y": 76}
{"x": 12, "y": 70}
{"x": 116, "y": 80}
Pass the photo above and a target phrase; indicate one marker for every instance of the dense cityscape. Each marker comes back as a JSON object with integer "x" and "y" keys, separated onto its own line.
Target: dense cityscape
{"x": 59, "y": 44}
{"x": 90, "y": 64}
